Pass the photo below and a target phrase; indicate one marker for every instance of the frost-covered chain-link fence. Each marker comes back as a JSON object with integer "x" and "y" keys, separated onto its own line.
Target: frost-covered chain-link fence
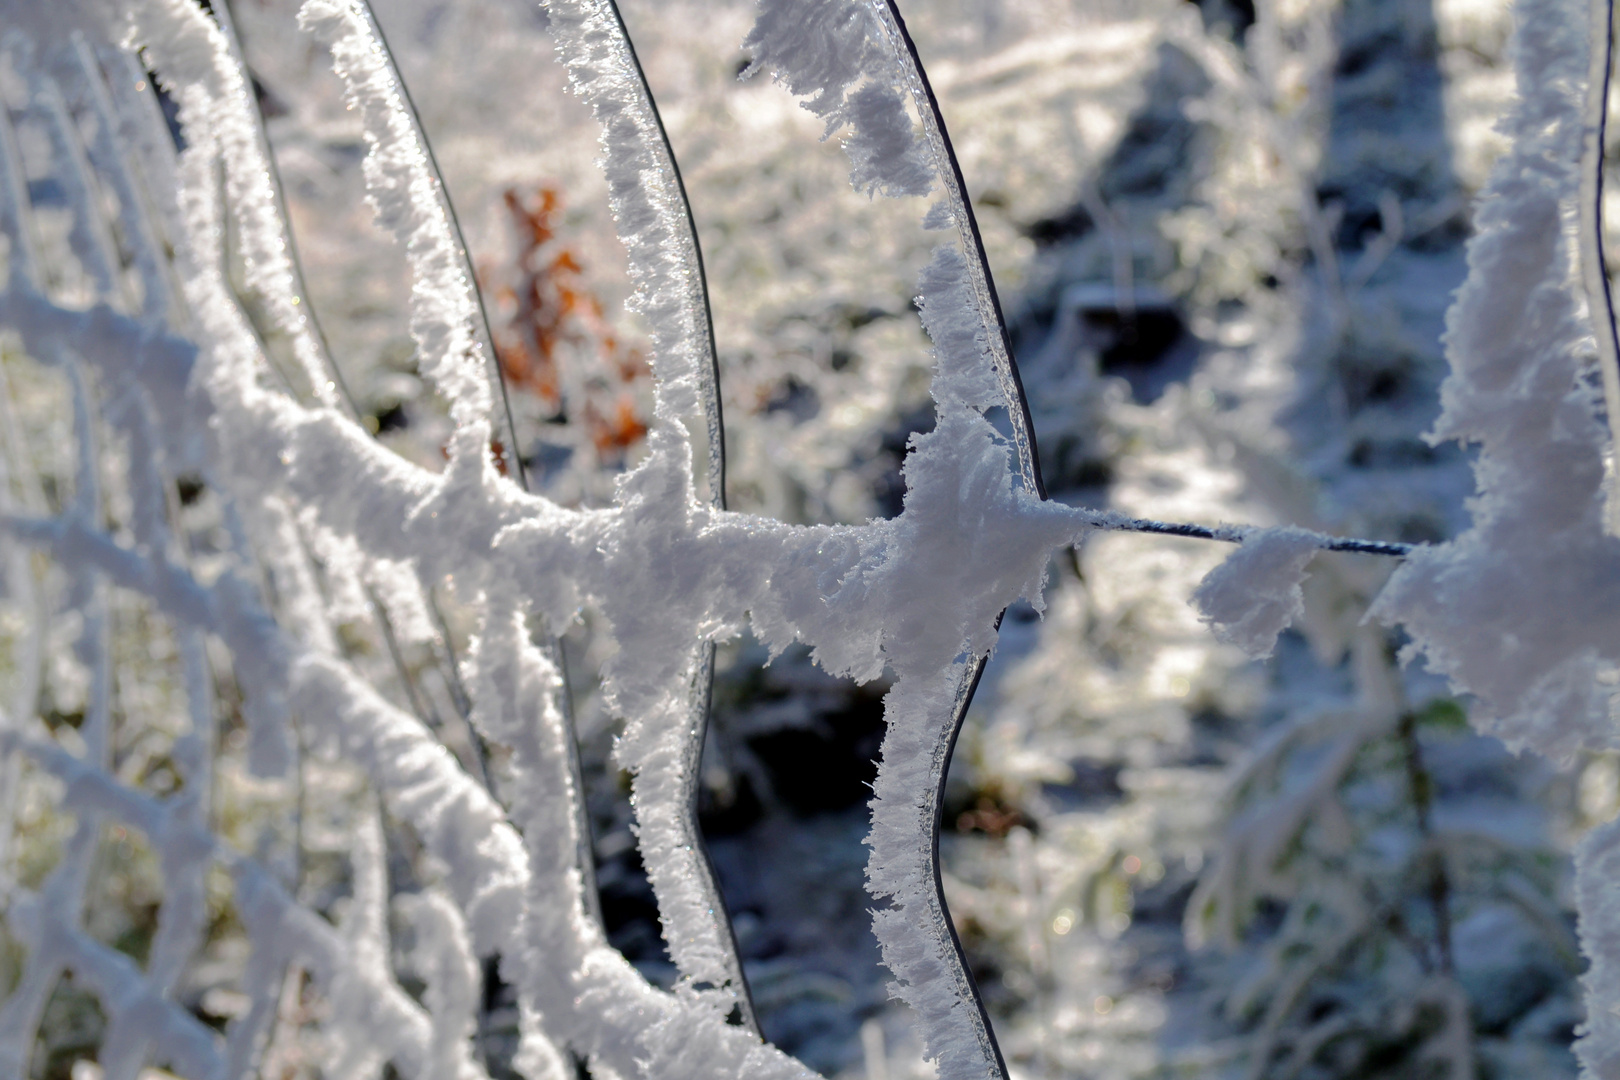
{"x": 182, "y": 471}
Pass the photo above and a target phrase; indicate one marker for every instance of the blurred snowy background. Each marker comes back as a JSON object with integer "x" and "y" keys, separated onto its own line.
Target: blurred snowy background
{"x": 1225, "y": 235}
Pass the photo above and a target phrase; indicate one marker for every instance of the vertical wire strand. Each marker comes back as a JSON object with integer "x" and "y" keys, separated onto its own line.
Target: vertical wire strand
{"x": 701, "y": 694}
{"x": 1029, "y": 467}
{"x": 1594, "y": 261}
{"x": 481, "y": 328}
{"x": 585, "y": 858}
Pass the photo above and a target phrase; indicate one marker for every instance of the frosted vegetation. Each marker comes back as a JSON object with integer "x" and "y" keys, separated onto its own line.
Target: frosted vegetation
{"x": 455, "y": 626}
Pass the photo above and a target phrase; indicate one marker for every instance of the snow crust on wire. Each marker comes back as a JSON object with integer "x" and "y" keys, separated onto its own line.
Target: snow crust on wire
{"x": 401, "y": 187}
{"x": 374, "y": 1020}
{"x": 226, "y": 107}
{"x": 267, "y": 444}
{"x": 832, "y": 49}
{"x": 1523, "y": 609}
{"x": 1254, "y": 595}
{"x": 663, "y": 714}
{"x": 847, "y": 58}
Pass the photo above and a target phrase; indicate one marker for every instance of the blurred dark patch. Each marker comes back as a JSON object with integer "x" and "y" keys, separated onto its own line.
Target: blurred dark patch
{"x": 1163, "y": 902}
{"x": 1071, "y": 224}
{"x": 855, "y": 316}
{"x": 729, "y": 807}
{"x": 1140, "y": 338}
{"x": 1156, "y": 148}
{"x": 47, "y": 191}
{"x": 496, "y": 1036}
{"x": 1369, "y": 453}
{"x": 1095, "y": 783}
{"x": 1359, "y": 219}
{"x": 1215, "y": 721}
{"x": 1421, "y": 529}
{"x": 189, "y": 487}
{"x": 1232, "y": 17}
{"x": 794, "y": 398}
{"x": 393, "y": 418}
{"x": 69, "y": 1031}
{"x": 1087, "y": 472}
{"x": 170, "y": 109}
{"x": 56, "y": 721}
{"x": 889, "y": 489}
{"x": 546, "y": 460}
{"x": 827, "y": 766}
{"x": 988, "y": 810}
{"x": 269, "y": 102}
{"x": 629, "y": 908}
{"x": 991, "y": 817}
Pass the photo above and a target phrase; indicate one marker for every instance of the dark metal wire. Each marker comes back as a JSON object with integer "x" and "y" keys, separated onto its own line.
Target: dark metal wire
{"x": 1609, "y": 321}
{"x": 221, "y": 11}
{"x": 932, "y": 103}
{"x": 483, "y": 326}
{"x": 964, "y": 697}
{"x": 702, "y": 690}
{"x": 717, "y": 439}
{"x": 971, "y": 680}
{"x": 1237, "y": 534}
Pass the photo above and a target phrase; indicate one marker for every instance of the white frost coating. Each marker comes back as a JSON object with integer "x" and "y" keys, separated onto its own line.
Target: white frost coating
{"x": 183, "y": 918}
{"x": 276, "y": 924}
{"x": 19, "y": 490}
{"x": 663, "y": 722}
{"x": 912, "y": 930}
{"x": 958, "y": 471}
{"x": 1254, "y": 595}
{"x": 1523, "y": 609}
{"x": 1593, "y": 264}
{"x": 834, "y": 50}
{"x": 601, "y": 1006}
{"x": 198, "y": 54}
{"x": 401, "y": 186}
{"x": 859, "y": 596}
{"x": 1597, "y": 868}
{"x": 354, "y": 581}
{"x": 280, "y": 928}
{"x": 142, "y": 1018}
{"x": 353, "y": 1048}
{"x": 89, "y": 238}
{"x": 961, "y": 513}
{"x": 964, "y": 371}
{"x": 396, "y": 585}
{"x": 269, "y": 443}
{"x": 444, "y": 958}
{"x": 647, "y": 209}
{"x": 398, "y": 1029}
{"x": 107, "y": 152}
{"x": 342, "y": 565}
